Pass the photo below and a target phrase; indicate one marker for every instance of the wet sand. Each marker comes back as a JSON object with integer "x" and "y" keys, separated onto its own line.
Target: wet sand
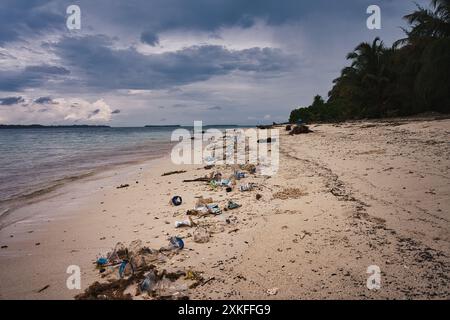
{"x": 346, "y": 197}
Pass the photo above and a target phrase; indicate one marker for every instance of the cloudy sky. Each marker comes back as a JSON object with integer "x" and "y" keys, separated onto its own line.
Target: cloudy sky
{"x": 175, "y": 61}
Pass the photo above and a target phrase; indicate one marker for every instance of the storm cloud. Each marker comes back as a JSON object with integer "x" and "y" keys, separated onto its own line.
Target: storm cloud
{"x": 150, "y": 38}
{"x": 30, "y": 76}
{"x": 44, "y": 100}
{"x": 100, "y": 65}
{"x": 9, "y": 101}
{"x": 21, "y": 18}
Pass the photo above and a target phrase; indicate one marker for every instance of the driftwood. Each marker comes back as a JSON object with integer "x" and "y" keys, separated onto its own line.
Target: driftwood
{"x": 203, "y": 179}
{"x": 172, "y": 172}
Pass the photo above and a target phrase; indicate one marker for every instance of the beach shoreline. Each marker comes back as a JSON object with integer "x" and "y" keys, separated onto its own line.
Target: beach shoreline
{"x": 347, "y": 196}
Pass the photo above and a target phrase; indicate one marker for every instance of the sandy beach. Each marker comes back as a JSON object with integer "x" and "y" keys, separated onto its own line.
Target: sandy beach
{"x": 346, "y": 197}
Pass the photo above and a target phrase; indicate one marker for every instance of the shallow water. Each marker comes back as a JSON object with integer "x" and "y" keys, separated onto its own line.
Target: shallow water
{"x": 35, "y": 161}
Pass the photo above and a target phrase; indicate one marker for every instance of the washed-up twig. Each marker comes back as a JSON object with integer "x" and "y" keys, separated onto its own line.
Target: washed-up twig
{"x": 204, "y": 179}
{"x": 205, "y": 282}
{"x": 44, "y": 288}
{"x": 172, "y": 172}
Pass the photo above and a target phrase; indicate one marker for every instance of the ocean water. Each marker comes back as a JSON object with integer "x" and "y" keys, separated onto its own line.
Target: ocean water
{"x": 36, "y": 161}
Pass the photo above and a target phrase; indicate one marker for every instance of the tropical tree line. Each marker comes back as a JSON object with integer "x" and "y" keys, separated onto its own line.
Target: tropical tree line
{"x": 411, "y": 77}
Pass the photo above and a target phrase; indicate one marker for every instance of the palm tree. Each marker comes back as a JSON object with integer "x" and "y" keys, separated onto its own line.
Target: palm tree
{"x": 366, "y": 77}
{"x": 368, "y": 59}
{"x": 426, "y": 23}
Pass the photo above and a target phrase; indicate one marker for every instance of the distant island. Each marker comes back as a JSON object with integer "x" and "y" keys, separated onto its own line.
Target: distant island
{"x": 40, "y": 126}
{"x": 163, "y": 126}
{"x": 220, "y": 125}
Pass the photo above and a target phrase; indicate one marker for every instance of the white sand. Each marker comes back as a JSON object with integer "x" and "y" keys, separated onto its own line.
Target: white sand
{"x": 374, "y": 194}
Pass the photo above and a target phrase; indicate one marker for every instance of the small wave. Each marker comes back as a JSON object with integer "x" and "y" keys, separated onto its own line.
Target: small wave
{"x": 29, "y": 197}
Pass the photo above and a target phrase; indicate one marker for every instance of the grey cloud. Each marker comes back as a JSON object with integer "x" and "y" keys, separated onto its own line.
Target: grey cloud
{"x": 30, "y": 76}
{"x": 22, "y": 18}
{"x": 163, "y": 15}
{"x": 93, "y": 113}
{"x": 150, "y": 38}
{"x": 44, "y": 100}
{"x": 100, "y": 65}
{"x": 47, "y": 69}
{"x": 8, "y": 101}
{"x": 180, "y": 105}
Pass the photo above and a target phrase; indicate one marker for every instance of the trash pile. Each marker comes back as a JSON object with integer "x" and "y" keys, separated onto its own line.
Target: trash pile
{"x": 132, "y": 271}
{"x": 149, "y": 281}
{"x": 135, "y": 270}
{"x": 127, "y": 260}
{"x": 206, "y": 207}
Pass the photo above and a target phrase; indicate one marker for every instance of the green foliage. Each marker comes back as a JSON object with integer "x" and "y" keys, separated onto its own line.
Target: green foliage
{"x": 432, "y": 83}
{"x": 411, "y": 77}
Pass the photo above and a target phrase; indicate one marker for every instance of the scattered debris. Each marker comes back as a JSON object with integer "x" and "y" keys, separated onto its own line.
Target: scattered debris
{"x": 166, "y": 285}
{"x": 258, "y": 196}
{"x": 176, "y": 201}
{"x": 268, "y": 140}
{"x": 272, "y": 291}
{"x": 206, "y": 281}
{"x": 175, "y": 243}
{"x": 113, "y": 289}
{"x": 198, "y": 212}
{"x": 214, "y": 208}
{"x": 185, "y": 223}
{"x": 201, "y": 235}
{"x": 239, "y": 175}
{"x": 249, "y": 167}
{"x": 233, "y": 205}
{"x": 247, "y": 187}
{"x": 303, "y": 234}
{"x": 203, "y": 202}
